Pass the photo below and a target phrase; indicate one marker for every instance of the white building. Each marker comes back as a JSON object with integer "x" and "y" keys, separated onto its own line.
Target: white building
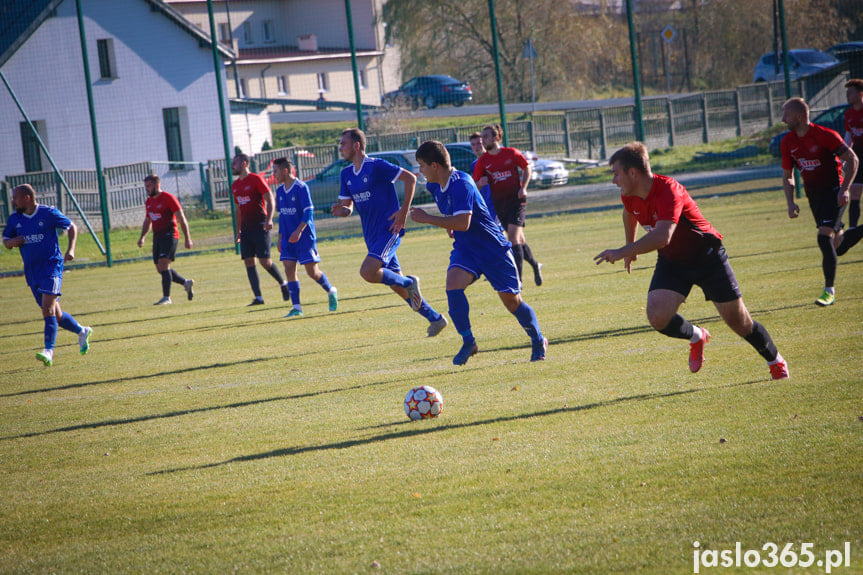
{"x": 299, "y": 49}
{"x": 153, "y": 82}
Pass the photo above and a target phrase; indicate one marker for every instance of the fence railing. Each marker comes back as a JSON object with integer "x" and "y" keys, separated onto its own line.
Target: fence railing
{"x": 592, "y": 133}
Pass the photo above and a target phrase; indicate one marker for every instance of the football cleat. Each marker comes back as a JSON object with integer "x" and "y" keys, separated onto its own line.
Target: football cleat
{"x": 780, "y": 370}
{"x": 415, "y": 298}
{"x": 188, "y": 286}
{"x": 537, "y": 274}
{"x": 286, "y": 293}
{"x": 164, "y": 301}
{"x": 84, "y": 340}
{"x": 466, "y": 351}
{"x": 295, "y": 313}
{"x": 826, "y": 299}
{"x": 256, "y": 301}
{"x": 539, "y": 349}
{"x": 436, "y": 327}
{"x": 333, "y": 297}
{"x": 696, "y": 351}
{"x": 46, "y": 356}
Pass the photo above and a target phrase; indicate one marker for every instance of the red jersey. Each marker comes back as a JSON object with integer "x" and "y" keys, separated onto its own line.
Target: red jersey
{"x": 161, "y": 209}
{"x": 854, "y": 127}
{"x": 502, "y": 172}
{"x": 249, "y": 195}
{"x": 815, "y": 155}
{"x": 669, "y": 200}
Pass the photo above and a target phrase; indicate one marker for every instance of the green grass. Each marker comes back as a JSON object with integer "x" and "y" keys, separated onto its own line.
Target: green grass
{"x": 209, "y": 437}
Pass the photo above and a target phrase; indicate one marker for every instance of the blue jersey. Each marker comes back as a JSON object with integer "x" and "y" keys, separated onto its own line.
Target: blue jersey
{"x": 41, "y": 248}
{"x": 461, "y": 196}
{"x": 373, "y": 192}
{"x": 291, "y": 204}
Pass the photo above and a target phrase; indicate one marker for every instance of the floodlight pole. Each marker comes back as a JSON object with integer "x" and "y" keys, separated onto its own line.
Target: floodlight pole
{"x": 223, "y": 117}
{"x": 350, "y": 20}
{"x": 636, "y": 77}
{"x": 496, "y": 55}
{"x": 100, "y": 177}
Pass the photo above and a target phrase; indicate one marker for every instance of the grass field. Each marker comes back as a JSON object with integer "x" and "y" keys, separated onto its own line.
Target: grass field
{"x": 207, "y": 437}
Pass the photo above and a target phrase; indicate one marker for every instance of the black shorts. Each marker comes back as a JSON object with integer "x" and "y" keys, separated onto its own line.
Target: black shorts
{"x": 825, "y": 208}
{"x": 511, "y": 211}
{"x": 255, "y": 244}
{"x": 164, "y": 247}
{"x": 711, "y": 272}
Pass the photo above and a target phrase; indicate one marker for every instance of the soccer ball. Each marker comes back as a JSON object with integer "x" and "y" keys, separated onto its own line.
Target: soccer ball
{"x": 423, "y": 402}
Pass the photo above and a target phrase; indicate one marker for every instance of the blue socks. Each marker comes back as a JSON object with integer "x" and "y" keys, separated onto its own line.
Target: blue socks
{"x": 459, "y": 311}
{"x": 527, "y": 319}
{"x": 294, "y": 290}
{"x": 391, "y": 278}
{"x": 50, "y": 331}
{"x": 325, "y": 283}
{"x": 427, "y": 311}
{"x": 69, "y": 323}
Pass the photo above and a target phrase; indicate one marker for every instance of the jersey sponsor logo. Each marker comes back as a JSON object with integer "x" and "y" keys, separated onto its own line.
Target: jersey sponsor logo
{"x": 154, "y": 216}
{"x": 243, "y": 200}
{"x": 808, "y": 164}
{"x": 33, "y": 238}
{"x": 289, "y": 211}
{"x": 362, "y": 196}
{"x": 501, "y": 176}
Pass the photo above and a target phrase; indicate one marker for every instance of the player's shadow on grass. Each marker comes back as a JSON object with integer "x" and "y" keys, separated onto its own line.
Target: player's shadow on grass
{"x": 418, "y": 431}
{"x": 237, "y": 405}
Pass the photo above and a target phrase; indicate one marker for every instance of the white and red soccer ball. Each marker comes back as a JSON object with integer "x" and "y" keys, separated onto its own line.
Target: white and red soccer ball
{"x": 423, "y": 402}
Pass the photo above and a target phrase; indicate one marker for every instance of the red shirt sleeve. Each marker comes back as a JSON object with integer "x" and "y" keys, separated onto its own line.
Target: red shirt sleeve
{"x": 520, "y": 160}
{"x": 261, "y": 185}
{"x": 832, "y": 141}
{"x": 478, "y": 170}
{"x": 174, "y": 204}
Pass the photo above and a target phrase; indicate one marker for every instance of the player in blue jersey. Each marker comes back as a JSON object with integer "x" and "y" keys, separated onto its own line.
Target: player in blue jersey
{"x": 34, "y": 230}
{"x": 297, "y": 240}
{"x": 480, "y": 247}
{"x": 369, "y": 185}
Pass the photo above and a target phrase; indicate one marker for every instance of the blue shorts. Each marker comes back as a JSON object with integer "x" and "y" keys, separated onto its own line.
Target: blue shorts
{"x": 49, "y": 285}
{"x": 497, "y": 266}
{"x": 384, "y": 249}
{"x": 304, "y": 251}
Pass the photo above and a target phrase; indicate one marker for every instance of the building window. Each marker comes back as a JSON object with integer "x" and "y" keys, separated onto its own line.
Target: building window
{"x": 267, "y": 28}
{"x": 323, "y": 82}
{"x": 225, "y": 34}
{"x": 30, "y": 145}
{"x": 284, "y": 90}
{"x": 107, "y": 62}
{"x": 244, "y": 92}
{"x": 364, "y": 80}
{"x": 247, "y": 33}
{"x": 174, "y": 119}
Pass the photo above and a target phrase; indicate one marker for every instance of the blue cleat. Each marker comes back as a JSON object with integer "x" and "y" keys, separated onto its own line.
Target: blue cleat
{"x": 466, "y": 351}
{"x": 539, "y": 349}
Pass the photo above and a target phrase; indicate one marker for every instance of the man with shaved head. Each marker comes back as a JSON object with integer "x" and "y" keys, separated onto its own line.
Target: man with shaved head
{"x": 818, "y": 153}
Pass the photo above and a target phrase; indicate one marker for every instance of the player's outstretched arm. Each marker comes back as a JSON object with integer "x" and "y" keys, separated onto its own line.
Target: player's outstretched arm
{"x": 458, "y": 223}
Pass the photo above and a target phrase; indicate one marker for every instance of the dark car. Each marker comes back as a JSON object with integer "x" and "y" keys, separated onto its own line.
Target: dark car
{"x": 801, "y": 63}
{"x": 324, "y": 187}
{"x": 833, "y": 118}
{"x": 844, "y": 52}
{"x": 461, "y": 156}
{"x": 428, "y": 91}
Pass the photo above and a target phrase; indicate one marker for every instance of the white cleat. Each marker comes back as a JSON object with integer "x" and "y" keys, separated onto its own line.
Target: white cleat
{"x": 164, "y": 301}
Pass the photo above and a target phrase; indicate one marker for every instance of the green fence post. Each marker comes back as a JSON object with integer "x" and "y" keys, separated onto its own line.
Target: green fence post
{"x": 704, "y": 119}
{"x": 603, "y": 134}
{"x": 671, "y": 133}
{"x": 636, "y": 76}
{"x": 350, "y": 21}
{"x": 770, "y": 118}
{"x": 567, "y": 142}
{"x": 206, "y": 190}
{"x": 739, "y": 112}
{"x": 493, "y": 23}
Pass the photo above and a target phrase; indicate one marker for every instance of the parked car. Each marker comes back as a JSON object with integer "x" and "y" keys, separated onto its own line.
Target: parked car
{"x": 461, "y": 155}
{"x": 429, "y": 91}
{"x": 801, "y": 62}
{"x": 833, "y": 118}
{"x": 547, "y": 173}
{"x": 325, "y": 186}
{"x": 843, "y": 52}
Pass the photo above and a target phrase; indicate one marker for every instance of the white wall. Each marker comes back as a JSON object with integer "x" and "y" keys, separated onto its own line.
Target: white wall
{"x": 251, "y": 127}
{"x": 159, "y": 65}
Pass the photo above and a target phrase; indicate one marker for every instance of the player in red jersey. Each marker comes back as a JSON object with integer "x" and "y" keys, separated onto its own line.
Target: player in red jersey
{"x": 690, "y": 253}
{"x": 163, "y": 213}
{"x": 499, "y": 168}
{"x": 854, "y": 140}
{"x": 816, "y": 151}
{"x": 254, "y": 221}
